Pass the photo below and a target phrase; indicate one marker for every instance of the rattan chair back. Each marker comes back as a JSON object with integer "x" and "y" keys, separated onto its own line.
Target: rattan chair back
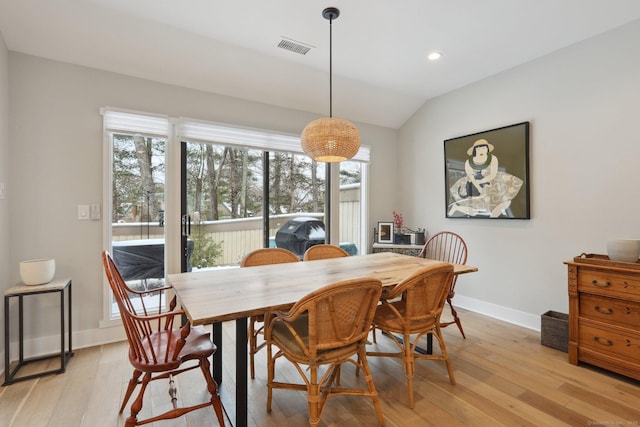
{"x": 266, "y": 256}
{"x": 329, "y": 326}
{"x": 412, "y": 309}
{"x": 324, "y": 251}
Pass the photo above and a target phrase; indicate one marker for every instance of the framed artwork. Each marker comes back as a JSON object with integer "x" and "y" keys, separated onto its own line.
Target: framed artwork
{"x": 385, "y": 232}
{"x": 487, "y": 174}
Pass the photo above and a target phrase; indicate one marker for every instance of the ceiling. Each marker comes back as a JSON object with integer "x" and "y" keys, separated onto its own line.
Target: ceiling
{"x": 380, "y": 71}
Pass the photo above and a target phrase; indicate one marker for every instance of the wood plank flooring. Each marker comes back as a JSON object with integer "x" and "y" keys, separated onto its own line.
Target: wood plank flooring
{"x": 504, "y": 378}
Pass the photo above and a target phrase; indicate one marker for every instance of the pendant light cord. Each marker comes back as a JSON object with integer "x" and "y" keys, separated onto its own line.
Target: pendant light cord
{"x": 330, "y": 67}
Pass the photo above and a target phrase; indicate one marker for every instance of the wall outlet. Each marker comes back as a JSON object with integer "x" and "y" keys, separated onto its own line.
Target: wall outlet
{"x": 83, "y": 212}
{"x": 95, "y": 211}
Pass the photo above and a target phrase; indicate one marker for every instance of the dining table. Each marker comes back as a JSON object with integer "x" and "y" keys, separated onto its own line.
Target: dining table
{"x": 213, "y": 296}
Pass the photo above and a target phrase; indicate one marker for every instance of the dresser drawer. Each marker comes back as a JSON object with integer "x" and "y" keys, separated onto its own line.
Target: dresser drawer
{"x": 610, "y": 310}
{"x": 605, "y": 282}
{"x": 612, "y": 341}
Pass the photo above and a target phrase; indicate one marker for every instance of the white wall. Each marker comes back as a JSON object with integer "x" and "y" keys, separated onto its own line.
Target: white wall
{"x": 56, "y": 156}
{"x": 4, "y": 174}
{"x": 582, "y": 103}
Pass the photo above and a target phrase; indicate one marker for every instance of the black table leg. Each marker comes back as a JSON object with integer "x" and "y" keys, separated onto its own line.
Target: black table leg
{"x": 216, "y": 366}
{"x": 241, "y": 372}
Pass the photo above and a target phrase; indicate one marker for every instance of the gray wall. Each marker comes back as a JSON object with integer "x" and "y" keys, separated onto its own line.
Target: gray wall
{"x": 56, "y": 157}
{"x": 582, "y": 103}
{"x": 4, "y": 173}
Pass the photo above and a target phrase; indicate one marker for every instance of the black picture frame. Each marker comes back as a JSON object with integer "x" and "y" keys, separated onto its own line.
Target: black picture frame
{"x": 385, "y": 232}
{"x": 487, "y": 174}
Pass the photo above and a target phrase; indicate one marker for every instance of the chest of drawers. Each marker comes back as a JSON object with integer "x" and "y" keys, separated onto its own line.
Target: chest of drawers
{"x": 604, "y": 314}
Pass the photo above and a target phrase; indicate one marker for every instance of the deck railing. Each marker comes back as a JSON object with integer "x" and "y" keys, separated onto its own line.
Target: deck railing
{"x": 242, "y": 235}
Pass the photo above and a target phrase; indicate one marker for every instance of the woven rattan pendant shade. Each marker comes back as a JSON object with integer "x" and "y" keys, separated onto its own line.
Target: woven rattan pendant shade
{"x": 330, "y": 140}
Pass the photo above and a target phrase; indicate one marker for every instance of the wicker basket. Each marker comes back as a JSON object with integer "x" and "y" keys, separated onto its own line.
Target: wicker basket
{"x": 554, "y": 332}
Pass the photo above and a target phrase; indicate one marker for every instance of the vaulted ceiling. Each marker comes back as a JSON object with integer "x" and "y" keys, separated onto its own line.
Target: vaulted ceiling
{"x": 381, "y": 74}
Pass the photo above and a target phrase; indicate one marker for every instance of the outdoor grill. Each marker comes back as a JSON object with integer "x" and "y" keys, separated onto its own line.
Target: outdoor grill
{"x": 299, "y": 234}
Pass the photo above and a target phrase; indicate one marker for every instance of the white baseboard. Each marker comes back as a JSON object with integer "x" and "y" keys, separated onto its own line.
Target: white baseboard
{"x": 506, "y": 314}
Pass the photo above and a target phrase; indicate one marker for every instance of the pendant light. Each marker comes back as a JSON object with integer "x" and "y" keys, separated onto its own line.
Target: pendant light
{"x": 330, "y": 139}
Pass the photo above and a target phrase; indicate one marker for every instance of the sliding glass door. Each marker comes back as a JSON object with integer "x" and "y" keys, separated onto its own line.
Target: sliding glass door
{"x": 236, "y": 199}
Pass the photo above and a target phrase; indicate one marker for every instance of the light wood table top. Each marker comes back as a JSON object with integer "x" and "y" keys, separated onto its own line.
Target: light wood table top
{"x": 225, "y": 294}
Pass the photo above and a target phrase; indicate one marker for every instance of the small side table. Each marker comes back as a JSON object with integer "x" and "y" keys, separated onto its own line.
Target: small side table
{"x": 20, "y": 291}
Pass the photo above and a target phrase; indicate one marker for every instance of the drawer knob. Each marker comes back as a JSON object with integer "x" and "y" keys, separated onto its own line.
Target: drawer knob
{"x": 606, "y": 284}
{"x": 601, "y": 341}
{"x": 599, "y": 309}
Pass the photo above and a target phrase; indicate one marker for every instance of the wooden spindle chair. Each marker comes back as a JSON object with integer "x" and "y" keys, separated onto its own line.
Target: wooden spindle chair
{"x": 158, "y": 350}
{"x": 448, "y": 247}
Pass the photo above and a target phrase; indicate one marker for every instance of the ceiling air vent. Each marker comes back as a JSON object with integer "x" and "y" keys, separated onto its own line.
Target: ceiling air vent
{"x": 294, "y": 46}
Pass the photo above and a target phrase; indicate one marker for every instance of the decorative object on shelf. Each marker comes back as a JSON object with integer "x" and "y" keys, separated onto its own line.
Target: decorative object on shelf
{"x": 401, "y": 239}
{"x": 385, "y": 232}
{"x": 37, "y": 271}
{"x": 625, "y": 250}
{"x": 330, "y": 139}
{"x": 398, "y": 221}
{"x": 476, "y": 185}
{"x": 420, "y": 236}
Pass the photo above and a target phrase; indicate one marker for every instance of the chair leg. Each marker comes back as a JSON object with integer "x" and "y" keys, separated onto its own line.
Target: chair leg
{"x": 362, "y": 360}
{"x": 212, "y": 386}
{"x": 445, "y": 354}
{"x": 456, "y": 319}
{"x": 136, "y": 406}
{"x": 133, "y": 382}
{"x": 313, "y": 397}
{"x": 409, "y": 367}
{"x": 270, "y": 375}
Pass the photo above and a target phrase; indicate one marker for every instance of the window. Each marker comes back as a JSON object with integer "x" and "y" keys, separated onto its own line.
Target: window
{"x": 227, "y": 172}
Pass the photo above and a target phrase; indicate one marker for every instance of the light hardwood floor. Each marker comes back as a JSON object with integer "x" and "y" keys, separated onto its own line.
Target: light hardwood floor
{"x": 504, "y": 378}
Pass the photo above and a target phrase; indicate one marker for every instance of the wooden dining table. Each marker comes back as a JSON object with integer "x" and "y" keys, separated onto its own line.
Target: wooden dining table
{"x": 218, "y": 295}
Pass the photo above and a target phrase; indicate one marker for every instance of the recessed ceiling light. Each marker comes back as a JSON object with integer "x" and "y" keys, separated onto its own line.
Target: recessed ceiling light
{"x": 434, "y": 56}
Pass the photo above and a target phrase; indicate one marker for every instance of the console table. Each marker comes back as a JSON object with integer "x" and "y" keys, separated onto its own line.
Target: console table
{"x": 412, "y": 250}
{"x": 21, "y": 291}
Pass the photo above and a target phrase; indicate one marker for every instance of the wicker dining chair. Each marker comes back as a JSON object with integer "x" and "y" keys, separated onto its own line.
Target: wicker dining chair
{"x": 258, "y": 257}
{"x": 448, "y": 247}
{"x": 326, "y": 327}
{"x": 416, "y": 313}
{"x": 159, "y": 350}
{"x": 324, "y": 251}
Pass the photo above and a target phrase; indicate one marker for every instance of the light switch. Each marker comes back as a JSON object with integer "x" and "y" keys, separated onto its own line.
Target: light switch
{"x": 95, "y": 211}
{"x": 1, "y": 190}
{"x": 83, "y": 211}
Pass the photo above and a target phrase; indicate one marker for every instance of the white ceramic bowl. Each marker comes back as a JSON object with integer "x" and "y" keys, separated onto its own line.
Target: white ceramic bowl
{"x": 37, "y": 271}
{"x": 625, "y": 250}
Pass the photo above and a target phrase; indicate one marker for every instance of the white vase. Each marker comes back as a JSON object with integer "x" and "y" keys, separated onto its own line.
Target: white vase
{"x": 37, "y": 271}
{"x": 625, "y": 250}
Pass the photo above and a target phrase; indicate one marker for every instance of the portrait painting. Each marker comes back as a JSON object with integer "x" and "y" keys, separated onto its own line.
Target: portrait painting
{"x": 487, "y": 174}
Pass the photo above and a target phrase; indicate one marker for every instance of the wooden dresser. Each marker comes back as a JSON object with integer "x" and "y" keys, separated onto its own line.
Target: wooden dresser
{"x": 604, "y": 313}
